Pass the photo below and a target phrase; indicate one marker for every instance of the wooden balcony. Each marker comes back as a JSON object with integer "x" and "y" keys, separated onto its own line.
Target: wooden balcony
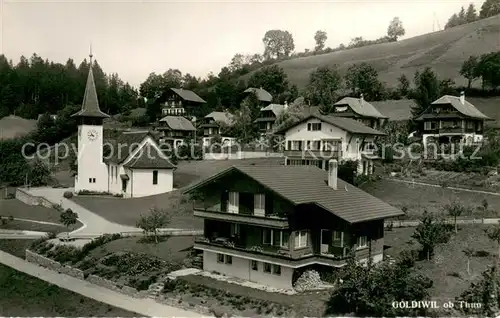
{"x": 273, "y": 221}
{"x": 314, "y": 154}
{"x": 293, "y": 259}
{"x": 451, "y": 130}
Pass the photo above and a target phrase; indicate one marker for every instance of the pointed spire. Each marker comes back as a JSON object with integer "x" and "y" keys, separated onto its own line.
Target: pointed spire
{"x": 90, "y": 105}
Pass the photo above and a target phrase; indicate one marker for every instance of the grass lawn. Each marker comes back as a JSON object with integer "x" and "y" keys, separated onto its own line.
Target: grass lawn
{"x": 171, "y": 249}
{"x": 24, "y": 295}
{"x": 128, "y": 211}
{"x": 30, "y": 226}
{"x": 311, "y": 304}
{"x": 449, "y": 260}
{"x": 15, "y": 247}
{"x": 21, "y": 210}
{"x": 419, "y": 197}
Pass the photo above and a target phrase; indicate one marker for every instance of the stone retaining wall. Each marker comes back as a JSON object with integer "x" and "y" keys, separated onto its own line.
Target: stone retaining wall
{"x": 203, "y": 310}
{"x": 53, "y": 265}
{"x": 29, "y": 199}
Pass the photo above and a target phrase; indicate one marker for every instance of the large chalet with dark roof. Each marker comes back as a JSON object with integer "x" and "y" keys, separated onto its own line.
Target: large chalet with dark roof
{"x": 132, "y": 166}
{"x": 180, "y": 102}
{"x": 451, "y": 120}
{"x": 268, "y": 224}
{"x": 360, "y": 110}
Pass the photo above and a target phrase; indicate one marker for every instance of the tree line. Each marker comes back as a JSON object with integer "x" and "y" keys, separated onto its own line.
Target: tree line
{"x": 488, "y": 9}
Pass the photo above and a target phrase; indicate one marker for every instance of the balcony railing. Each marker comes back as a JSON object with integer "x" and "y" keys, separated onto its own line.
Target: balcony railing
{"x": 270, "y": 220}
{"x": 335, "y": 252}
{"x": 448, "y": 130}
{"x": 239, "y": 245}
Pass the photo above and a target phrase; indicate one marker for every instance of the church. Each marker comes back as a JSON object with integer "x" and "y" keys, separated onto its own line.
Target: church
{"x": 134, "y": 167}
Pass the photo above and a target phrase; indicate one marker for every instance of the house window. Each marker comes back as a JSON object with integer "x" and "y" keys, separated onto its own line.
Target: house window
{"x": 224, "y": 201}
{"x": 267, "y": 268}
{"x": 90, "y": 180}
{"x": 427, "y": 125}
{"x": 289, "y": 145}
{"x": 300, "y": 239}
{"x": 362, "y": 242}
{"x": 314, "y": 126}
{"x": 337, "y": 239}
{"x": 155, "y": 176}
{"x": 246, "y": 203}
{"x": 233, "y": 202}
{"x": 220, "y": 258}
{"x": 255, "y": 265}
{"x": 276, "y": 269}
{"x": 229, "y": 259}
{"x": 275, "y": 237}
{"x": 235, "y": 229}
{"x": 470, "y": 125}
{"x": 259, "y": 204}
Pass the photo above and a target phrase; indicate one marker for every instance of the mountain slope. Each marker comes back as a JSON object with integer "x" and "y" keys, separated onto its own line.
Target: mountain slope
{"x": 444, "y": 51}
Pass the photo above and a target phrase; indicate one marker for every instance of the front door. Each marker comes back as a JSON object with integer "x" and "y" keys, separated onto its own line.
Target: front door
{"x": 124, "y": 185}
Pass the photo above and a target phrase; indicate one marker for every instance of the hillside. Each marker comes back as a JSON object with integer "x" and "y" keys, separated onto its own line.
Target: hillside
{"x": 13, "y": 126}
{"x": 444, "y": 51}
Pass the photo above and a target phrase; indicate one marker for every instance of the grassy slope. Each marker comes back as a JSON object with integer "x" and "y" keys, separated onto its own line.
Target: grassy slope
{"x": 444, "y": 51}
{"x": 12, "y": 126}
{"x": 24, "y": 295}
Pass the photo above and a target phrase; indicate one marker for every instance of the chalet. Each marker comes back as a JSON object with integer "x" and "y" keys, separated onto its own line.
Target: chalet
{"x": 179, "y": 102}
{"x": 361, "y": 110}
{"x": 175, "y": 130}
{"x": 211, "y": 125}
{"x": 268, "y": 224}
{"x": 317, "y": 138}
{"x": 262, "y": 95}
{"x": 268, "y": 116}
{"x": 451, "y": 119}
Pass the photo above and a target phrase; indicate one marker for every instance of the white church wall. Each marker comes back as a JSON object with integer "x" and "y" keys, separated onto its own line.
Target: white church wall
{"x": 141, "y": 181}
{"x": 92, "y": 171}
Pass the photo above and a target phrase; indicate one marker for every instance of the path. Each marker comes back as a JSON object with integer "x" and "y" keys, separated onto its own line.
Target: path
{"x": 93, "y": 224}
{"x": 144, "y": 306}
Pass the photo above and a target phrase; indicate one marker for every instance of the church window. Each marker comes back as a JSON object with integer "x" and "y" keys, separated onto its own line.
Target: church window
{"x": 90, "y": 180}
{"x": 155, "y": 177}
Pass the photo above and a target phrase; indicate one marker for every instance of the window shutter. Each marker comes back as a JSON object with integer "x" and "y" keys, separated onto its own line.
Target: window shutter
{"x": 259, "y": 205}
{"x": 297, "y": 239}
{"x": 233, "y": 202}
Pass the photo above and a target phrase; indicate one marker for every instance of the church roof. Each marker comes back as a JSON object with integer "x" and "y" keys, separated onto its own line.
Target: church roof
{"x": 90, "y": 105}
{"x": 150, "y": 157}
{"x": 125, "y": 144}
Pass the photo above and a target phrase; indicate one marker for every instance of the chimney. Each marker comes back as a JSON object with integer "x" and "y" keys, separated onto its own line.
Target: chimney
{"x": 361, "y": 99}
{"x": 332, "y": 173}
{"x": 462, "y": 97}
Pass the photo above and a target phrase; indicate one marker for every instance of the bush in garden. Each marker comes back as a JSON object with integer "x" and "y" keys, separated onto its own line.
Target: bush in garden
{"x": 68, "y": 194}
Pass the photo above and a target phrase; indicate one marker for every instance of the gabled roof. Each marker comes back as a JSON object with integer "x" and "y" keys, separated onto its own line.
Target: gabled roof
{"x": 150, "y": 157}
{"x": 347, "y": 202}
{"x": 261, "y": 94}
{"x": 224, "y": 117}
{"x": 178, "y": 123}
{"x": 347, "y": 124}
{"x": 277, "y": 109}
{"x": 90, "y": 105}
{"x": 360, "y": 107}
{"x": 125, "y": 144}
{"x": 188, "y": 95}
{"x": 466, "y": 108}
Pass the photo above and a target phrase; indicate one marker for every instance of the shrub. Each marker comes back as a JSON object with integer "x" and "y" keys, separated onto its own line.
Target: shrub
{"x": 68, "y": 194}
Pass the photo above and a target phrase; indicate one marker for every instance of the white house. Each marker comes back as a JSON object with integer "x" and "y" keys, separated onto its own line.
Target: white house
{"x": 318, "y": 138}
{"x": 211, "y": 126}
{"x": 135, "y": 165}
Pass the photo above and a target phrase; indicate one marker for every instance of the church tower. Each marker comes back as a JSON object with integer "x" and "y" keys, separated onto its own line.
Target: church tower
{"x": 92, "y": 172}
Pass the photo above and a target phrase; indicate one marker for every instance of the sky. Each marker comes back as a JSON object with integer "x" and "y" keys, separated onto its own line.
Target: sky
{"x": 135, "y": 38}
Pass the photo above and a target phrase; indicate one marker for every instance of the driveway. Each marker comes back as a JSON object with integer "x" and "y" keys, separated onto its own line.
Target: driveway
{"x": 93, "y": 224}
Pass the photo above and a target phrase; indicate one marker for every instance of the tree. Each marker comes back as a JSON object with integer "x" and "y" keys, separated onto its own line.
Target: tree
{"x": 323, "y": 87}
{"x": 68, "y": 218}
{"x": 461, "y": 16}
{"x": 453, "y": 21}
{"x": 468, "y": 252}
{"x": 278, "y": 44}
{"x": 488, "y": 68}
{"x": 370, "y": 292}
{"x": 469, "y": 70}
{"x": 493, "y": 234}
{"x": 236, "y": 62}
{"x": 484, "y": 292}
{"x": 471, "y": 14}
{"x": 39, "y": 174}
{"x": 152, "y": 222}
{"x": 243, "y": 121}
{"x": 489, "y": 9}
{"x": 403, "y": 85}
{"x": 456, "y": 209}
{"x": 395, "y": 29}
{"x": 427, "y": 89}
{"x": 429, "y": 233}
{"x": 320, "y": 39}
{"x": 363, "y": 79}
{"x": 271, "y": 78}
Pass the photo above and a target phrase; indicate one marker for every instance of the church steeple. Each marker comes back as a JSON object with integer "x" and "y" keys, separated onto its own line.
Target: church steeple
{"x": 90, "y": 105}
